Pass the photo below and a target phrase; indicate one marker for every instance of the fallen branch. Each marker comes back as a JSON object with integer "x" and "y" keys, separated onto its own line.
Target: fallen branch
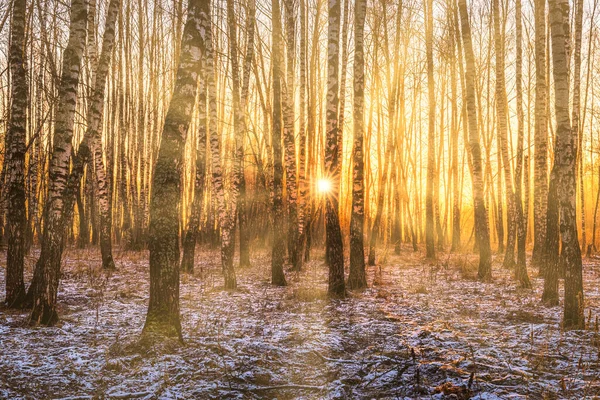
{"x": 394, "y": 368}
{"x": 341, "y": 361}
{"x": 555, "y": 356}
{"x": 510, "y": 370}
{"x": 135, "y": 395}
{"x": 283, "y": 387}
{"x": 380, "y": 359}
{"x": 76, "y": 398}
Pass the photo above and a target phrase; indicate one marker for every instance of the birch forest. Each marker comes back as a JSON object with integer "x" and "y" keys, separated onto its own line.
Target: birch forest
{"x": 299, "y": 199}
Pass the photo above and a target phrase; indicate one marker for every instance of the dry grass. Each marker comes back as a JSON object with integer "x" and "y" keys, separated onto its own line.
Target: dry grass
{"x": 308, "y": 294}
{"x": 467, "y": 268}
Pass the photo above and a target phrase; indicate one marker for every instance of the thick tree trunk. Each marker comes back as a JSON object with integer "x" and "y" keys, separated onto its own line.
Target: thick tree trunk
{"x": 357, "y": 278}
{"x": 44, "y": 287}
{"x": 550, "y": 251}
{"x": 565, "y": 164}
{"x": 163, "y": 309}
{"x": 16, "y": 220}
{"x": 481, "y": 217}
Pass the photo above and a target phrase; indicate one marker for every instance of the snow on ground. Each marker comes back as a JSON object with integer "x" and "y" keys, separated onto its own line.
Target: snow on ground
{"x": 422, "y": 330}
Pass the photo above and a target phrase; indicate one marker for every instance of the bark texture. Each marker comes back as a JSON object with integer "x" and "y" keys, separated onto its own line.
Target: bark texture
{"x": 163, "y": 308}
{"x": 357, "y": 278}
{"x": 44, "y": 286}
{"x": 481, "y": 218}
{"x": 334, "y": 243}
{"x": 16, "y": 220}
{"x": 565, "y": 165}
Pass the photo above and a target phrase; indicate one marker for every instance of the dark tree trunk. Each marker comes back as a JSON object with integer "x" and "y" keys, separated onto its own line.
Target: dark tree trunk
{"x": 163, "y": 309}
{"x": 357, "y": 278}
{"x": 565, "y": 165}
{"x": 278, "y": 251}
{"x": 44, "y": 287}
{"x": 16, "y": 220}
{"x": 334, "y": 243}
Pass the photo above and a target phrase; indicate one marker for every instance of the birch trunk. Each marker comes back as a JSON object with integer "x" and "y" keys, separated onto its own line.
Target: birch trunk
{"x": 540, "y": 177}
{"x": 357, "y": 278}
{"x": 191, "y": 236}
{"x": 502, "y": 118}
{"x": 565, "y": 165}
{"x": 90, "y": 149}
{"x": 334, "y": 235}
{"x": 429, "y": 203}
{"x": 242, "y": 201}
{"x": 278, "y": 251}
{"x": 521, "y": 221}
{"x": 44, "y": 286}
{"x": 16, "y": 221}
{"x": 162, "y": 318}
{"x": 289, "y": 138}
{"x": 481, "y": 217}
{"x": 302, "y": 175}
{"x": 225, "y": 217}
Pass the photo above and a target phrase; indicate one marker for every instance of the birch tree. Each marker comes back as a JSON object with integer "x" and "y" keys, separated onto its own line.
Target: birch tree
{"x": 334, "y": 244}
{"x": 44, "y": 287}
{"x": 15, "y": 154}
{"x": 357, "y": 278}
{"x": 565, "y": 163}
{"x": 162, "y": 318}
{"x": 481, "y": 218}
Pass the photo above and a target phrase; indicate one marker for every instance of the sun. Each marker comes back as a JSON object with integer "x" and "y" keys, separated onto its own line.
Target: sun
{"x": 324, "y": 186}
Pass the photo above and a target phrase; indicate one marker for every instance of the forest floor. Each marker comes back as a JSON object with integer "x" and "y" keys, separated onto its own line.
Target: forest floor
{"x": 421, "y": 330}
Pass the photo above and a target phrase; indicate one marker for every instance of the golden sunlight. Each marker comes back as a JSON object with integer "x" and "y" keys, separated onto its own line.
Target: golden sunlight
{"x": 324, "y": 186}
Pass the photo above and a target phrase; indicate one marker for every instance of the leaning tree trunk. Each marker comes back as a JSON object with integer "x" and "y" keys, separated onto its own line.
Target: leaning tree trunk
{"x": 95, "y": 132}
{"x": 44, "y": 286}
{"x": 278, "y": 251}
{"x": 334, "y": 241}
{"x": 481, "y": 219}
{"x": 163, "y": 309}
{"x": 15, "y": 152}
{"x": 357, "y": 278}
{"x": 565, "y": 162}
{"x": 90, "y": 149}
